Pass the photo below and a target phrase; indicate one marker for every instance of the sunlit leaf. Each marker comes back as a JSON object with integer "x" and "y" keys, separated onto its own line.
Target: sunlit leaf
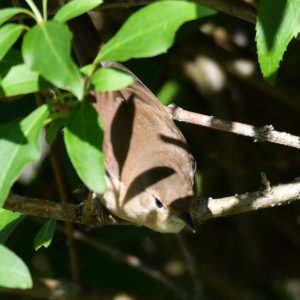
{"x": 8, "y": 222}
{"x": 7, "y": 13}
{"x": 75, "y": 8}
{"x": 277, "y": 23}
{"x": 47, "y": 50}
{"x": 110, "y": 79}
{"x": 21, "y": 80}
{"x": 13, "y": 272}
{"x": 9, "y": 33}
{"x": 83, "y": 138}
{"x": 151, "y": 30}
{"x": 19, "y": 145}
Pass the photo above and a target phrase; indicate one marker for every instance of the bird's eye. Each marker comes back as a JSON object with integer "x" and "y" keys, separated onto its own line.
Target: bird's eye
{"x": 158, "y": 203}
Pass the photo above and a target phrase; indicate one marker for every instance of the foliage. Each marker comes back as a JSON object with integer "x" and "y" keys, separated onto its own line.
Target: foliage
{"x": 277, "y": 23}
{"x": 44, "y": 236}
{"x": 37, "y": 58}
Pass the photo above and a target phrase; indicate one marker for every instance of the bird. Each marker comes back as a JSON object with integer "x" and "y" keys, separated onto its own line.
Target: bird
{"x": 150, "y": 171}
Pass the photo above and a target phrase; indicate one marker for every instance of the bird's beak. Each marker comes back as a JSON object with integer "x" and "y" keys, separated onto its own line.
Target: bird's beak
{"x": 187, "y": 219}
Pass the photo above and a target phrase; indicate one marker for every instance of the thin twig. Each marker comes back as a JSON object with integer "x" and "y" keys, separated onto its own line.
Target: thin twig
{"x": 132, "y": 261}
{"x": 263, "y": 134}
{"x": 207, "y": 208}
{"x": 124, "y": 4}
{"x": 191, "y": 266}
{"x": 46, "y": 288}
{"x": 234, "y": 8}
{"x": 63, "y": 192}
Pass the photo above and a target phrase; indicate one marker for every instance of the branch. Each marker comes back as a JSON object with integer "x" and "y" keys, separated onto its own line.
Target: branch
{"x": 66, "y": 212}
{"x": 263, "y": 134}
{"x": 63, "y": 193}
{"x": 133, "y": 261}
{"x": 207, "y": 208}
{"x": 233, "y": 8}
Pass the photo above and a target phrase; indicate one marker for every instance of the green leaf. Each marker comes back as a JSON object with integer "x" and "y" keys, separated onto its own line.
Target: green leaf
{"x": 21, "y": 80}
{"x": 19, "y": 145}
{"x": 168, "y": 91}
{"x": 110, "y": 79}
{"x": 74, "y": 9}
{"x": 12, "y": 57}
{"x": 53, "y": 130}
{"x": 87, "y": 69}
{"x": 83, "y": 138}
{"x": 13, "y": 272}
{"x": 47, "y": 50}
{"x": 8, "y": 222}
{"x": 7, "y": 13}
{"x": 151, "y": 30}
{"x": 45, "y": 235}
{"x": 9, "y": 33}
{"x": 277, "y": 23}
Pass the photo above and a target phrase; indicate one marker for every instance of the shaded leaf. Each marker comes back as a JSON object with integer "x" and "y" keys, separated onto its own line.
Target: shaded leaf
{"x": 19, "y": 145}
{"x": 74, "y": 9}
{"x": 110, "y": 79}
{"x": 13, "y": 272}
{"x": 47, "y": 50}
{"x": 277, "y": 23}
{"x": 12, "y": 57}
{"x": 21, "y": 80}
{"x": 45, "y": 235}
{"x": 168, "y": 91}
{"x": 8, "y": 222}
{"x": 151, "y": 30}
{"x": 54, "y": 129}
{"x": 83, "y": 137}
{"x": 9, "y": 33}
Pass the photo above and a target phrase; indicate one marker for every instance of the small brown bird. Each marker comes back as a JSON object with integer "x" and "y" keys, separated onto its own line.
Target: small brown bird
{"x": 149, "y": 168}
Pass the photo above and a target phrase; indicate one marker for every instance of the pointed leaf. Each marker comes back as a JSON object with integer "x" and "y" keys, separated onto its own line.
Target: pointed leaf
{"x": 151, "y": 30}
{"x": 74, "y": 9}
{"x": 110, "y": 79}
{"x": 7, "y": 13}
{"x": 19, "y": 145}
{"x": 47, "y": 50}
{"x": 13, "y": 272}
{"x": 83, "y": 138}
{"x": 277, "y": 23}
{"x": 8, "y": 222}
{"x": 45, "y": 235}
{"x": 21, "y": 80}
{"x": 9, "y": 33}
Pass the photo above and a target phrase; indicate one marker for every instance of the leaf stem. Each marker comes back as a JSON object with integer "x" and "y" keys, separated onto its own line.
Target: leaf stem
{"x": 35, "y": 10}
{"x": 60, "y": 115}
{"x": 45, "y": 2}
